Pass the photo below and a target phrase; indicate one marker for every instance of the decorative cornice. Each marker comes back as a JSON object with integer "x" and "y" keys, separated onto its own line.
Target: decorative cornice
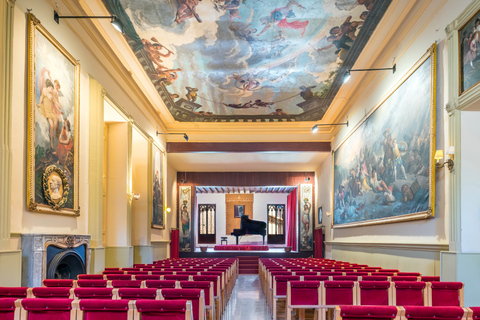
{"x": 430, "y": 247}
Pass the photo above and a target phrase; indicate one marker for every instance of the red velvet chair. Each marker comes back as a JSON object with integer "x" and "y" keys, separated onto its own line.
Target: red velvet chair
{"x": 474, "y": 313}
{"x": 67, "y": 283}
{"x": 125, "y": 283}
{"x": 98, "y": 309}
{"x": 137, "y": 272}
{"x": 330, "y": 273}
{"x": 113, "y": 272}
{"x": 303, "y": 295}
{"x": 159, "y": 273}
{"x": 445, "y": 294}
{"x": 435, "y": 313}
{"x": 409, "y": 293}
{"x": 137, "y": 293}
{"x": 14, "y": 292}
{"x": 368, "y": 312}
{"x": 8, "y": 310}
{"x": 208, "y": 292}
{"x": 316, "y": 278}
{"x": 181, "y": 277}
{"x": 306, "y": 273}
{"x": 344, "y": 278}
{"x": 52, "y": 292}
{"x": 93, "y": 293}
{"x": 90, "y": 277}
{"x": 132, "y": 269}
{"x": 216, "y": 291}
{"x": 194, "y": 295}
{"x": 358, "y": 273}
{"x": 336, "y": 293}
{"x": 47, "y": 309}
{"x": 160, "y": 284}
{"x": 118, "y": 277}
{"x": 429, "y": 278}
{"x": 374, "y": 293}
{"x": 375, "y": 277}
{"x": 143, "y": 277}
{"x": 92, "y": 283}
{"x": 280, "y": 291}
{"x": 404, "y": 278}
{"x": 164, "y": 310}
{"x": 223, "y": 292}
{"x": 409, "y": 274}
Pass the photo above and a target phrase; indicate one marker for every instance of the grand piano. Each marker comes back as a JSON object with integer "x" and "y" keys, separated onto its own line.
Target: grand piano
{"x": 249, "y": 226}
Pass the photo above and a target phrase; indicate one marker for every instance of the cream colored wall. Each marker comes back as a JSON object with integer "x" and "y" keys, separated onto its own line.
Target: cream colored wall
{"x": 140, "y": 214}
{"x": 399, "y": 245}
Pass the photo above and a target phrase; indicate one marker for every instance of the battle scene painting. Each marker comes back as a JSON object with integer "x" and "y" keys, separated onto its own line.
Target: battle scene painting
{"x": 221, "y": 60}
{"x": 469, "y": 37}
{"x": 383, "y": 172}
{"x": 53, "y": 91}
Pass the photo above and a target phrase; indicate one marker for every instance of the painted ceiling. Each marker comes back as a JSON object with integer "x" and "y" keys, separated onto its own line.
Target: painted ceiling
{"x": 247, "y": 60}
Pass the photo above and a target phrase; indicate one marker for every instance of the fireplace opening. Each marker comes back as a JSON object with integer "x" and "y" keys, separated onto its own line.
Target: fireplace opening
{"x": 66, "y": 264}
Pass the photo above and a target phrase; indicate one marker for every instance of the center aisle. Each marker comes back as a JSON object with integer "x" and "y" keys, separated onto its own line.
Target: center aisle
{"x": 247, "y": 301}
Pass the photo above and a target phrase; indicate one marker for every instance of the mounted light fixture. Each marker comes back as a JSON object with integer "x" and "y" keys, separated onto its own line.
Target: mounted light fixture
{"x": 315, "y": 127}
{"x": 116, "y": 23}
{"x": 347, "y": 75}
{"x": 134, "y": 196}
{"x": 449, "y": 162}
{"x": 168, "y": 210}
{"x": 184, "y": 134}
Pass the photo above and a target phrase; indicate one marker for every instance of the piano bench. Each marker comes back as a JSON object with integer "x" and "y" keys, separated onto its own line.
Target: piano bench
{"x": 222, "y": 239}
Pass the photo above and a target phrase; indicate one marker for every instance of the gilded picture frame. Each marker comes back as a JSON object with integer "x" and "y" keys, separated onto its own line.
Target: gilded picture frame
{"x": 53, "y": 124}
{"x": 469, "y": 60}
{"x": 371, "y": 183}
{"x": 158, "y": 188}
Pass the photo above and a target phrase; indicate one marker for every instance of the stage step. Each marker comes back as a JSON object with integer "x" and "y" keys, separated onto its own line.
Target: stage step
{"x": 247, "y": 264}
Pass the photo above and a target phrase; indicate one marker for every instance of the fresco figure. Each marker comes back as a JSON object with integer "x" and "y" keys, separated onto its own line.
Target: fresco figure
{"x": 261, "y": 103}
{"x": 65, "y": 145}
{"x": 186, "y": 9}
{"x": 245, "y": 105}
{"x": 191, "y": 94}
{"x": 153, "y": 51}
{"x": 307, "y": 92}
{"x": 46, "y": 105}
{"x": 279, "y": 17}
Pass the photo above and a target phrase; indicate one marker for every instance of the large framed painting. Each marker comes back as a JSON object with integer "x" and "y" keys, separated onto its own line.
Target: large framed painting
{"x": 469, "y": 38}
{"x": 158, "y": 187}
{"x": 53, "y": 124}
{"x": 306, "y": 218}
{"x": 384, "y": 170}
{"x": 185, "y": 216}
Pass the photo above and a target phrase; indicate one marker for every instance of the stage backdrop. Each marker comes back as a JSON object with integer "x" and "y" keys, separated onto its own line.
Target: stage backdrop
{"x": 384, "y": 170}
{"x": 231, "y": 200}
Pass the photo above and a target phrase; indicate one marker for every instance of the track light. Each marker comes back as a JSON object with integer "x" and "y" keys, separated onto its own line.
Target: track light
{"x": 315, "y": 127}
{"x": 116, "y": 23}
{"x": 347, "y": 75}
{"x": 184, "y": 134}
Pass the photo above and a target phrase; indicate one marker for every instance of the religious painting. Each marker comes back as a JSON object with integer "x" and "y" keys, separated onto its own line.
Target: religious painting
{"x": 185, "y": 216}
{"x": 320, "y": 216}
{"x": 306, "y": 218}
{"x": 238, "y": 210}
{"x": 384, "y": 170}
{"x": 257, "y": 61}
{"x": 53, "y": 123}
{"x": 469, "y": 38}
{"x": 158, "y": 207}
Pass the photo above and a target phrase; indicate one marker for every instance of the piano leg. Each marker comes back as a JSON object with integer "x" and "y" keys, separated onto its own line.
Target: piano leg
{"x": 237, "y": 239}
{"x": 263, "y": 239}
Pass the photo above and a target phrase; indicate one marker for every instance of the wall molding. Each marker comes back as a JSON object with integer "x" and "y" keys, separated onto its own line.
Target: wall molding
{"x": 430, "y": 247}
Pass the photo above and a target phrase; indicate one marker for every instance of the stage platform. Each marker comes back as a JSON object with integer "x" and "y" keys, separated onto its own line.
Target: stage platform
{"x": 271, "y": 253}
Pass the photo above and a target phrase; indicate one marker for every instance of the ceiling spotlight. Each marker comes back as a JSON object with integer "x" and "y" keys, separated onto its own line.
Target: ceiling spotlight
{"x": 315, "y": 127}
{"x": 185, "y": 137}
{"x": 347, "y": 76}
{"x": 116, "y": 23}
{"x": 184, "y": 134}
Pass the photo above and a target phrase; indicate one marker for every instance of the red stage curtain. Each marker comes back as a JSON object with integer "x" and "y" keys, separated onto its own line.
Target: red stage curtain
{"x": 318, "y": 238}
{"x": 174, "y": 245}
{"x": 292, "y": 220}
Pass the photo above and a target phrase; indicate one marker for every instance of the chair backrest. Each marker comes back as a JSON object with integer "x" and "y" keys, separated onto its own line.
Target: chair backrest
{"x": 429, "y": 278}
{"x": 143, "y": 277}
{"x": 194, "y": 295}
{"x": 93, "y": 293}
{"x": 8, "y": 309}
{"x": 280, "y": 284}
{"x": 59, "y": 283}
{"x": 316, "y": 278}
{"x": 160, "y": 284}
{"x": 336, "y": 293}
{"x": 306, "y": 273}
{"x": 435, "y": 313}
{"x": 90, "y": 277}
{"x": 374, "y": 277}
{"x": 445, "y": 294}
{"x": 367, "y": 312}
{"x": 118, "y": 277}
{"x": 52, "y": 292}
{"x": 14, "y": 292}
{"x": 137, "y": 293}
{"x": 206, "y": 286}
{"x": 47, "y": 309}
{"x": 404, "y": 278}
{"x": 126, "y": 283}
{"x": 181, "y": 277}
{"x": 98, "y": 309}
{"x": 358, "y": 273}
{"x": 163, "y": 309}
{"x": 409, "y": 293}
{"x": 216, "y": 282}
{"x": 409, "y": 274}
{"x": 330, "y": 273}
{"x": 474, "y": 313}
{"x": 304, "y": 293}
{"x": 374, "y": 293}
{"x": 344, "y": 278}
{"x": 92, "y": 283}
{"x": 113, "y": 272}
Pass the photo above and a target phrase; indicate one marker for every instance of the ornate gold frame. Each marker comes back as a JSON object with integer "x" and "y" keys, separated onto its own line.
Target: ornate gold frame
{"x": 431, "y": 52}
{"x": 33, "y": 26}
{"x": 460, "y": 67}
{"x": 164, "y": 174}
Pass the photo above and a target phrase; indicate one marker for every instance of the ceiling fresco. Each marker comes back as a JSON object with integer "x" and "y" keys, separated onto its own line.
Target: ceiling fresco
{"x": 247, "y": 60}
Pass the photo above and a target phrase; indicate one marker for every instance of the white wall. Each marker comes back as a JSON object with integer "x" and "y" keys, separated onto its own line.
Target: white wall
{"x": 140, "y": 214}
{"x": 260, "y": 202}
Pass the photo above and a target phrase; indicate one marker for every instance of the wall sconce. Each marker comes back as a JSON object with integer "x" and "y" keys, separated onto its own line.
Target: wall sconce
{"x": 116, "y": 23}
{"x": 168, "y": 210}
{"x": 448, "y": 162}
{"x": 134, "y": 196}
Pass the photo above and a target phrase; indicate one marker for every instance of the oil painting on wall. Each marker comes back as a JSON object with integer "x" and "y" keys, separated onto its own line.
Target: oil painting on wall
{"x": 469, "y": 37}
{"x": 383, "y": 171}
{"x": 53, "y": 90}
{"x": 227, "y": 59}
{"x": 306, "y": 218}
{"x": 158, "y": 212}
{"x": 185, "y": 216}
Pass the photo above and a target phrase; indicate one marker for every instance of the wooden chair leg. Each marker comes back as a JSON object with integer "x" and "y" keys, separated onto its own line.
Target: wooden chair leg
{"x": 274, "y": 311}
{"x": 301, "y": 314}
{"x": 289, "y": 313}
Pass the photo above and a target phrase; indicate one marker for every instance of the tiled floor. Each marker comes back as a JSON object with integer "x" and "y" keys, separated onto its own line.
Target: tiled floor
{"x": 247, "y": 301}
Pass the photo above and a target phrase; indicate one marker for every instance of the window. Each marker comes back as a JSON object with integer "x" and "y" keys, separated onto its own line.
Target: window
{"x": 276, "y": 223}
{"x": 206, "y": 223}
